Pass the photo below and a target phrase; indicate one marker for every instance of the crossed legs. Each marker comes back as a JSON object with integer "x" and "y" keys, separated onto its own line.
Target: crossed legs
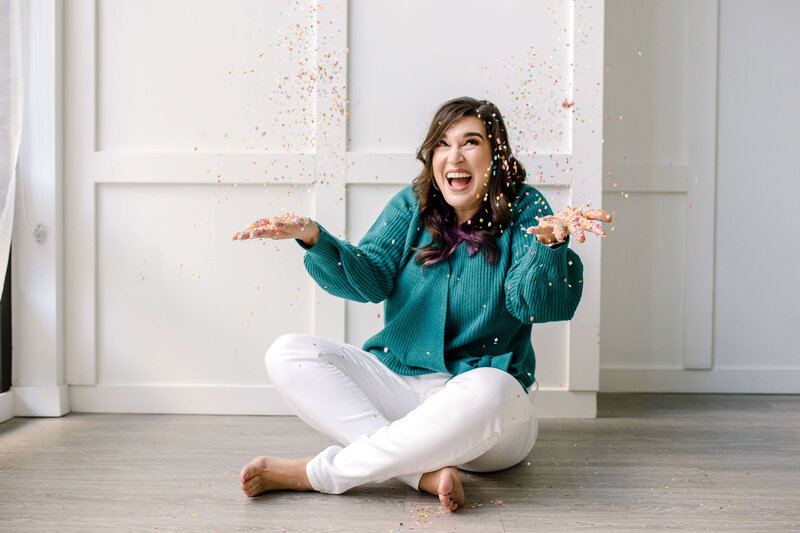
{"x": 415, "y": 428}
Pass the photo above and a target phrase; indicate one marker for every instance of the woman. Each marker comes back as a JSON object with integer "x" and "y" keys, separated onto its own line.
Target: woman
{"x": 464, "y": 270}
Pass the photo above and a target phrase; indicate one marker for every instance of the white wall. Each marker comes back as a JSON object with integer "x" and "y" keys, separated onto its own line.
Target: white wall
{"x": 658, "y": 115}
{"x": 184, "y": 120}
{"x": 652, "y": 116}
{"x": 38, "y": 380}
{"x": 757, "y": 313}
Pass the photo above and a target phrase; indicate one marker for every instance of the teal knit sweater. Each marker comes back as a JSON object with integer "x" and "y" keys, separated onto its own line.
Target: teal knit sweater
{"x": 459, "y": 314}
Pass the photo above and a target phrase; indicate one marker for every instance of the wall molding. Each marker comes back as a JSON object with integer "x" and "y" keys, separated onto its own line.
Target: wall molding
{"x": 264, "y": 400}
{"x": 717, "y": 381}
{"x": 178, "y": 399}
{"x": 698, "y": 338}
{"x": 38, "y": 266}
{"x": 41, "y": 401}
{"x": 557, "y": 403}
{"x": 6, "y": 405}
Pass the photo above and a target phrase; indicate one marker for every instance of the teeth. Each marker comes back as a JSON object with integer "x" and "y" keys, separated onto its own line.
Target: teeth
{"x": 458, "y": 175}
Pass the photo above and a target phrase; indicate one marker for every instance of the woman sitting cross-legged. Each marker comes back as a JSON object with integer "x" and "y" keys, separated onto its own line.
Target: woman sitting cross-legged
{"x": 466, "y": 259}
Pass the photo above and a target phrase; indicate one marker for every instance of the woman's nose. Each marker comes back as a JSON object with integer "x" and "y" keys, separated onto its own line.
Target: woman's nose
{"x": 454, "y": 155}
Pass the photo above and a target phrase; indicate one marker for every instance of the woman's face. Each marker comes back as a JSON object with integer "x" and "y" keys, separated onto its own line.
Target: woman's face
{"x": 462, "y": 164}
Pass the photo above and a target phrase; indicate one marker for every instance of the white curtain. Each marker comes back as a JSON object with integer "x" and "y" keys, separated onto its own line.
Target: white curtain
{"x": 10, "y": 122}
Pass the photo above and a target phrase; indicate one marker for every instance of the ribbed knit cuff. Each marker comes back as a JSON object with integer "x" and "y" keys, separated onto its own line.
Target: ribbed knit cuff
{"x": 550, "y": 255}
{"x": 325, "y": 247}
{"x": 539, "y": 256}
{"x": 557, "y": 244}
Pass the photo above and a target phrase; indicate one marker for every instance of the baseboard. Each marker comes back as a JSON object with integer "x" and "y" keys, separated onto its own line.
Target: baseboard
{"x": 41, "y": 401}
{"x": 6, "y": 406}
{"x": 260, "y": 400}
{"x": 557, "y": 403}
{"x": 178, "y": 399}
{"x": 715, "y": 381}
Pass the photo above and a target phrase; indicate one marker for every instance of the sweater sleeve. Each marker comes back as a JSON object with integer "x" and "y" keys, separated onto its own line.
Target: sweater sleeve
{"x": 543, "y": 284}
{"x": 364, "y": 273}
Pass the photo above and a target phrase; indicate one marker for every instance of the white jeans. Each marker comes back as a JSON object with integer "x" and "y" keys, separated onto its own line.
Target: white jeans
{"x": 398, "y": 426}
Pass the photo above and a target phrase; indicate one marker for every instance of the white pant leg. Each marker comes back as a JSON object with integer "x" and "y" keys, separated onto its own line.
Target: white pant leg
{"x": 340, "y": 390}
{"x": 475, "y": 412}
{"x": 511, "y": 449}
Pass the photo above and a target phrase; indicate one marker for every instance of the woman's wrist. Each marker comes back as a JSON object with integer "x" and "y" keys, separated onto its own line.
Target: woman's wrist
{"x": 550, "y": 243}
{"x": 311, "y": 234}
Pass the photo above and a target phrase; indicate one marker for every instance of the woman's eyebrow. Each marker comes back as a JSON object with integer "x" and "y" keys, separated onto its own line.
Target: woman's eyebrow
{"x": 469, "y": 134}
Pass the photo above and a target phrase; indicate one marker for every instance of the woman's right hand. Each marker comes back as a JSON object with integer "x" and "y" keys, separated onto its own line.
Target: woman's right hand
{"x": 288, "y": 226}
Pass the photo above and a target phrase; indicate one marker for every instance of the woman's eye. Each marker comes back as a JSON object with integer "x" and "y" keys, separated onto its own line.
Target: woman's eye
{"x": 473, "y": 141}
{"x": 442, "y": 143}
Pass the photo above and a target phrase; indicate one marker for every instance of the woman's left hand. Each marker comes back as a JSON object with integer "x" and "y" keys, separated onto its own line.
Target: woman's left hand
{"x": 288, "y": 226}
{"x": 571, "y": 221}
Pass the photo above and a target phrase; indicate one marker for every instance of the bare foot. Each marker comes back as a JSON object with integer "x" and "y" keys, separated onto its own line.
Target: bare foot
{"x": 264, "y": 474}
{"x": 445, "y": 483}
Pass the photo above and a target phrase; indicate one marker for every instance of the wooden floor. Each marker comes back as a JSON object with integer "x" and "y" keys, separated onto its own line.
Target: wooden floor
{"x": 649, "y": 462}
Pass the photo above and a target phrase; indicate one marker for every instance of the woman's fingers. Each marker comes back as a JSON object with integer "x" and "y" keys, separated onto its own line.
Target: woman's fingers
{"x": 570, "y": 221}
{"x": 285, "y": 226}
{"x": 597, "y": 214}
{"x": 256, "y": 233}
{"x": 544, "y": 225}
{"x": 560, "y": 232}
{"x": 577, "y": 230}
{"x": 260, "y": 232}
{"x": 545, "y": 234}
{"x": 254, "y": 229}
{"x": 259, "y": 223}
{"x": 539, "y": 230}
{"x": 549, "y": 233}
{"x": 594, "y": 228}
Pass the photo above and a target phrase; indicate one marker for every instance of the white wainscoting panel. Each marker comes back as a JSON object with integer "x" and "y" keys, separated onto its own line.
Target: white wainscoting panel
{"x": 659, "y": 172}
{"x": 205, "y": 76}
{"x": 646, "y": 99}
{"x": 551, "y": 341}
{"x": 642, "y": 309}
{"x": 188, "y": 120}
{"x": 365, "y": 203}
{"x": 397, "y": 83}
{"x": 178, "y": 301}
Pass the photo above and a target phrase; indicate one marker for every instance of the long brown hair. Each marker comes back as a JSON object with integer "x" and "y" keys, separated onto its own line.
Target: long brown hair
{"x": 508, "y": 175}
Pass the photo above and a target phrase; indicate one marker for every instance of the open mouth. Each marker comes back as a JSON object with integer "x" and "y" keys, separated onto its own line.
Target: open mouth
{"x": 458, "y": 181}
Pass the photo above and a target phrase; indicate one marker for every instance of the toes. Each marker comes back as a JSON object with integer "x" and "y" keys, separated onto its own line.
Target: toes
{"x": 245, "y": 474}
{"x": 448, "y": 502}
{"x": 444, "y": 500}
{"x": 252, "y": 469}
{"x": 248, "y": 481}
{"x": 252, "y": 487}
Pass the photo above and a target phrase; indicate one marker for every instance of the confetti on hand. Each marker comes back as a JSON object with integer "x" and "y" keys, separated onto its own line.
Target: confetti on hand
{"x": 570, "y": 221}
{"x": 287, "y": 226}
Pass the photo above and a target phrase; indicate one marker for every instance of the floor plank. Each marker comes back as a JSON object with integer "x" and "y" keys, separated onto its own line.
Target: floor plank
{"x": 678, "y": 462}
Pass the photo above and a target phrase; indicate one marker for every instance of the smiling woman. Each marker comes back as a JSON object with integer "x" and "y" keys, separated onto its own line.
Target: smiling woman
{"x": 447, "y": 384}
{"x": 460, "y": 156}
{"x": 466, "y": 162}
